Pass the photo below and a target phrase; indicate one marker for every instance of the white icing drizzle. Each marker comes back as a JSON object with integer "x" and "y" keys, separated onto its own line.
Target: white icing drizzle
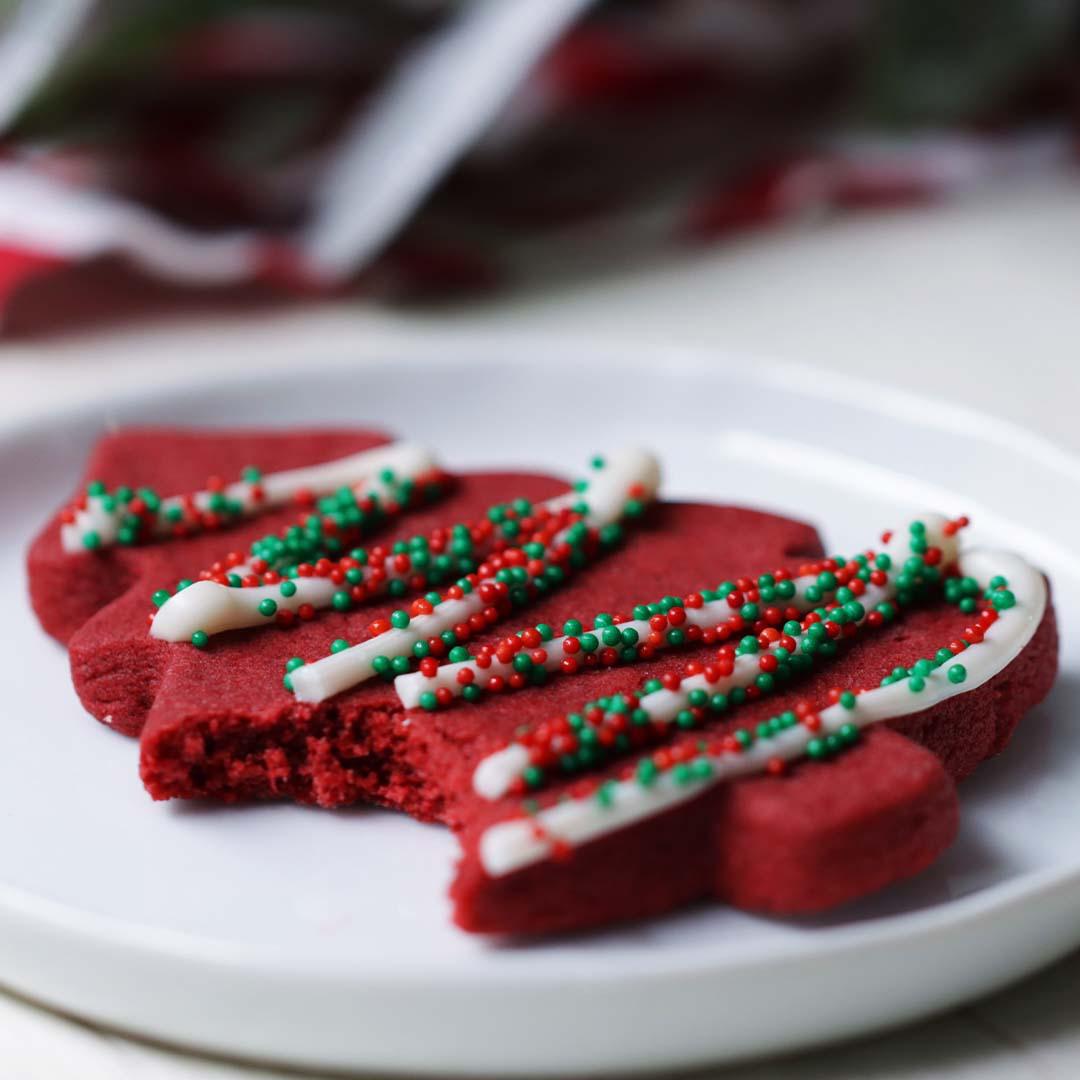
{"x": 214, "y": 608}
{"x": 605, "y": 498}
{"x": 340, "y": 671}
{"x": 709, "y": 615}
{"x": 496, "y": 773}
{"x": 404, "y": 460}
{"x": 511, "y": 845}
{"x": 607, "y": 488}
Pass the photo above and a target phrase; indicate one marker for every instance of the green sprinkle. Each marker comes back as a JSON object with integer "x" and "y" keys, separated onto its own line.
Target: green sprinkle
{"x": 532, "y": 776}
{"x": 646, "y": 772}
{"x": 702, "y": 768}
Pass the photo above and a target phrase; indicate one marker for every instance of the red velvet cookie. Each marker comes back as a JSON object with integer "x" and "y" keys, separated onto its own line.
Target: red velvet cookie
{"x": 587, "y": 794}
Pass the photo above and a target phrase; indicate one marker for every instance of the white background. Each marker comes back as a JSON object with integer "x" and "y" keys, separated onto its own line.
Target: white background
{"x": 980, "y": 300}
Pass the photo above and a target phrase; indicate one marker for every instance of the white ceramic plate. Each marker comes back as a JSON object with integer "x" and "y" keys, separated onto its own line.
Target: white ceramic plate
{"x": 323, "y": 938}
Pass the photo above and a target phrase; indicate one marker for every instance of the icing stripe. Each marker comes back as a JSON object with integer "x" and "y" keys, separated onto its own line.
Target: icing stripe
{"x": 511, "y": 845}
{"x": 496, "y": 773}
{"x": 100, "y": 522}
{"x": 711, "y": 614}
{"x": 601, "y": 503}
{"x": 214, "y": 607}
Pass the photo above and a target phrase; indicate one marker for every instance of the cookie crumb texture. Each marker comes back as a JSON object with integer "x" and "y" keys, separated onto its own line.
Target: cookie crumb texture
{"x": 217, "y": 722}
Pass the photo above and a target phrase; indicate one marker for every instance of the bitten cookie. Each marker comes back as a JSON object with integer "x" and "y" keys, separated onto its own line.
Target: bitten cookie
{"x": 621, "y": 704}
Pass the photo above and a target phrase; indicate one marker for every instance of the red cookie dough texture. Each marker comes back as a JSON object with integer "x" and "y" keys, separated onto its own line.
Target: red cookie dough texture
{"x": 218, "y": 722}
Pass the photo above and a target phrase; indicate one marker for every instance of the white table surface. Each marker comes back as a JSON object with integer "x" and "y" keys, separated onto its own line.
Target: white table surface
{"x": 978, "y": 300}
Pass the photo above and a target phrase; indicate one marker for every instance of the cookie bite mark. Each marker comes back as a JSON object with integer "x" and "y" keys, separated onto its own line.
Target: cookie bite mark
{"x": 333, "y": 755}
{"x": 336, "y": 757}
